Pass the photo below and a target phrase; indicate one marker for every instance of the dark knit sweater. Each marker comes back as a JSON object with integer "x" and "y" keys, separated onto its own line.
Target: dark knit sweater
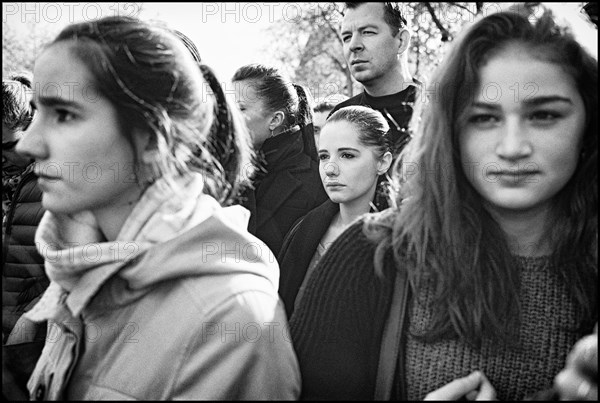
{"x": 547, "y": 313}
{"x": 338, "y": 325}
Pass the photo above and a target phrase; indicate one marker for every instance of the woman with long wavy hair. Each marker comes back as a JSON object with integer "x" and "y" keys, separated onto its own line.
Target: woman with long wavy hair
{"x": 493, "y": 243}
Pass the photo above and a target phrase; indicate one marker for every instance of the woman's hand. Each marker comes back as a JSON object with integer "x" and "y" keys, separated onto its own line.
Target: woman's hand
{"x": 579, "y": 379}
{"x": 472, "y": 387}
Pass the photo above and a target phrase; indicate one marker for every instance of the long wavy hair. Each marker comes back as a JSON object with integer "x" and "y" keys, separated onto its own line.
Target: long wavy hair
{"x": 157, "y": 86}
{"x": 440, "y": 225}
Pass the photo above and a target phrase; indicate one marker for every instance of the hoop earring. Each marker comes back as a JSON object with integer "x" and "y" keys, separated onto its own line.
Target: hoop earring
{"x": 272, "y": 134}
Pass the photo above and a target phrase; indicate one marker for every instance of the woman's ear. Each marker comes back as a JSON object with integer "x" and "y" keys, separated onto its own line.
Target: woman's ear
{"x": 142, "y": 143}
{"x": 384, "y": 163}
{"x": 148, "y": 157}
{"x": 276, "y": 120}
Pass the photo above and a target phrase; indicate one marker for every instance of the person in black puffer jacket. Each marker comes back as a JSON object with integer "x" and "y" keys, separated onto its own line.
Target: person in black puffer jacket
{"x": 23, "y": 275}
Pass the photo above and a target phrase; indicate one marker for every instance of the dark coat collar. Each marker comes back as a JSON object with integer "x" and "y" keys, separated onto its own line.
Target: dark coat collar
{"x": 285, "y": 151}
{"x": 284, "y": 155}
{"x": 298, "y": 249}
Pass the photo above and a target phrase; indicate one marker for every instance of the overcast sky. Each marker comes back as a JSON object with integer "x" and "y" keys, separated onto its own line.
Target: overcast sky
{"x": 228, "y": 35}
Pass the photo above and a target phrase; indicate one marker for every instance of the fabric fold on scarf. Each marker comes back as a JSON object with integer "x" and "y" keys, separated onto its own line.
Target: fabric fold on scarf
{"x": 79, "y": 261}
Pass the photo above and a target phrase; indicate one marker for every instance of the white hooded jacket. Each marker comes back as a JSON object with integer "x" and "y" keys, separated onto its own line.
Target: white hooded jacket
{"x": 183, "y": 305}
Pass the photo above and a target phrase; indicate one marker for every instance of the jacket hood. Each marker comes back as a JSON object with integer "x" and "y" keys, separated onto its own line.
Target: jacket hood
{"x": 220, "y": 245}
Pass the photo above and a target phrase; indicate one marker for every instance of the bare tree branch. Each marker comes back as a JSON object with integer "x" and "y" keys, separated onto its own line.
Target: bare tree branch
{"x": 445, "y": 34}
{"x": 477, "y": 8}
{"x": 333, "y": 29}
{"x": 337, "y": 62}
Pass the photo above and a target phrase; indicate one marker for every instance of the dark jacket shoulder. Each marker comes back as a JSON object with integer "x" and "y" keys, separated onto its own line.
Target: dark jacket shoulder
{"x": 290, "y": 188}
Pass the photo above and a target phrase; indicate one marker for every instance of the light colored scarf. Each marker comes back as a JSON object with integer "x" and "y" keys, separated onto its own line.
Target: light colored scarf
{"x": 78, "y": 262}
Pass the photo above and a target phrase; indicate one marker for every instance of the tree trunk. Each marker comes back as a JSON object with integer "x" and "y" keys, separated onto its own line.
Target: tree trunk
{"x": 349, "y": 85}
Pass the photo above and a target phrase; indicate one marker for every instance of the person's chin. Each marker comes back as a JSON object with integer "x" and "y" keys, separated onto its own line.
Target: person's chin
{"x": 337, "y": 198}
{"x": 516, "y": 200}
{"x": 49, "y": 203}
{"x": 59, "y": 201}
{"x": 362, "y": 76}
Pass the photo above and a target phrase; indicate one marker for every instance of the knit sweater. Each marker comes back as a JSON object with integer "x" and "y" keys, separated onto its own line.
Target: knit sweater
{"x": 547, "y": 313}
{"x": 338, "y": 325}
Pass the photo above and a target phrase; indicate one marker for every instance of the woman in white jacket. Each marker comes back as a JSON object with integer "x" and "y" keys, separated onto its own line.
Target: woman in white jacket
{"x": 157, "y": 291}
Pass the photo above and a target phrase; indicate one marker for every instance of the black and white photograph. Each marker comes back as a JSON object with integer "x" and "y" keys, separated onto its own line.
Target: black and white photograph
{"x": 300, "y": 201}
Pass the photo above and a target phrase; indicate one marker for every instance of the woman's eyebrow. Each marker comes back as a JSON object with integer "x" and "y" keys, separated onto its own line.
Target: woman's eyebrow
{"x": 52, "y": 101}
{"x": 546, "y": 99}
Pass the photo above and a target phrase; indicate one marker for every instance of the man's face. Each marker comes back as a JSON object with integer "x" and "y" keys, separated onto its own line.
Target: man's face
{"x": 370, "y": 49}
{"x": 10, "y": 157}
{"x": 319, "y": 120}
